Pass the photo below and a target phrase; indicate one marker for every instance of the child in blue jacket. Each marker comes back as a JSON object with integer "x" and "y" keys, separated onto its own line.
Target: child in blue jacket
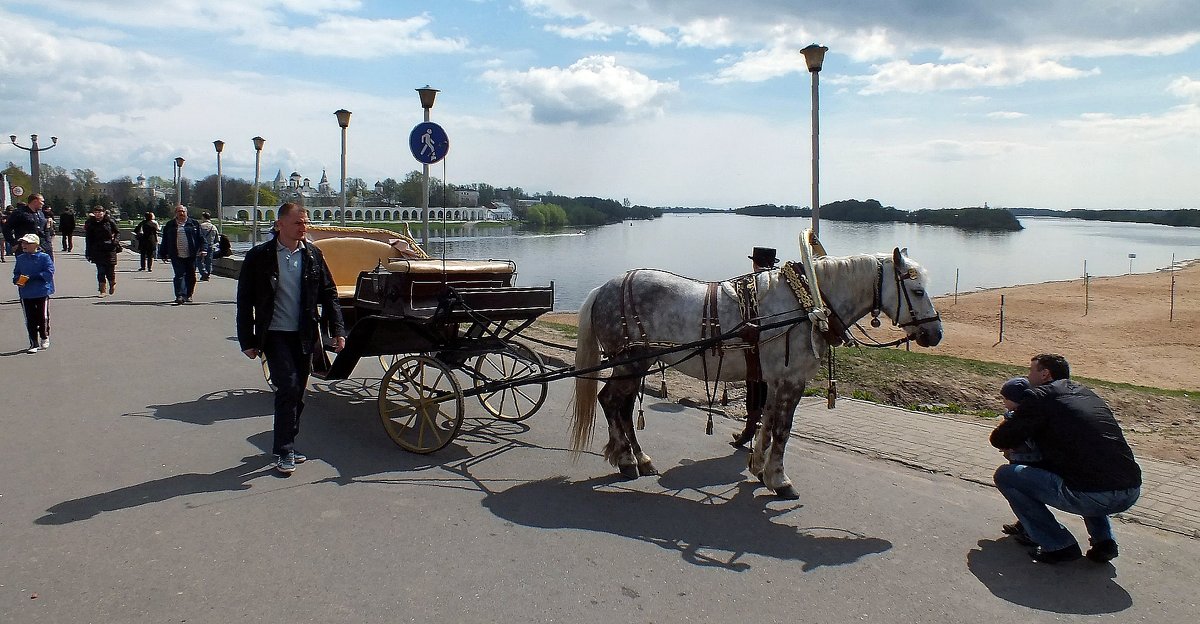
{"x": 33, "y": 273}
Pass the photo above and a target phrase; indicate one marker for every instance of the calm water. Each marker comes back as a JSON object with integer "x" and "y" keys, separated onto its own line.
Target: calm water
{"x": 715, "y": 246}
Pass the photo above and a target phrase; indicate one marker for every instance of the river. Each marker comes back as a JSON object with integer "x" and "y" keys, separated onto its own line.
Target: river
{"x": 715, "y": 246}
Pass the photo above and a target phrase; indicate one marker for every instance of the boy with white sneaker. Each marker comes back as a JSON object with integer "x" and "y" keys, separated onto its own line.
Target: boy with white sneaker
{"x": 33, "y": 273}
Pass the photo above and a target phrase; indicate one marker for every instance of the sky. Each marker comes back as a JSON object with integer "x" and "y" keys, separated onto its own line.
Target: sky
{"x": 1055, "y": 104}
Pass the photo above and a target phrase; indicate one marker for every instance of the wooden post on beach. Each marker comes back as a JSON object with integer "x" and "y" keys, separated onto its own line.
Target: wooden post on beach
{"x": 1086, "y": 283}
{"x": 1171, "y": 314}
{"x": 1001, "y": 320}
{"x": 956, "y": 286}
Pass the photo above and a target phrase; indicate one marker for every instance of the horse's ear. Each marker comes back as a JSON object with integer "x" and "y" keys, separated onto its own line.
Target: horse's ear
{"x": 896, "y": 259}
{"x": 904, "y": 252}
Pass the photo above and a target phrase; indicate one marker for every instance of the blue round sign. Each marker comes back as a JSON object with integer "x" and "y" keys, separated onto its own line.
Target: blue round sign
{"x": 428, "y": 142}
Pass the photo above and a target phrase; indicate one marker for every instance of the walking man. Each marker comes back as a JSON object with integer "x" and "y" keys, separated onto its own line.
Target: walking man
{"x": 208, "y": 232}
{"x": 183, "y": 245}
{"x": 1087, "y": 468}
{"x": 66, "y": 228}
{"x": 280, "y": 285}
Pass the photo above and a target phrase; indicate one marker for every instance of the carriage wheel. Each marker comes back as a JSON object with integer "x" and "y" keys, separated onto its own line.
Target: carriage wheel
{"x": 266, "y": 371}
{"x": 421, "y": 404}
{"x": 387, "y": 360}
{"x": 517, "y": 402}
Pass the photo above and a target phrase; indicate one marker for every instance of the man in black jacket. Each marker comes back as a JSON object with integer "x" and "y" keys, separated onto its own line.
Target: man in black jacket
{"x": 66, "y": 229}
{"x": 1087, "y": 467}
{"x": 28, "y": 219}
{"x": 280, "y": 285}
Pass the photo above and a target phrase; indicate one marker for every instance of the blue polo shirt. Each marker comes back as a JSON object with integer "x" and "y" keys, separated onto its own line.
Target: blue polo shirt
{"x": 287, "y": 294}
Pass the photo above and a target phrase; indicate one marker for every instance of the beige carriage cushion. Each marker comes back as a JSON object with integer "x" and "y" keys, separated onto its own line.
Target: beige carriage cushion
{"x": 348, "y": 256}
{"x": 425, "y": 267}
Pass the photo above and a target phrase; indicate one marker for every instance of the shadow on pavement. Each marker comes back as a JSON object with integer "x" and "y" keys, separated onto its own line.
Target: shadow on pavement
{"x": 708, "y": 526}
{"x": 1079, "y": 587}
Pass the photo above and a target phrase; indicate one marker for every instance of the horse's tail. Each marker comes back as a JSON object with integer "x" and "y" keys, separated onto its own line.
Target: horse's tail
{"x": 587, "y": 355}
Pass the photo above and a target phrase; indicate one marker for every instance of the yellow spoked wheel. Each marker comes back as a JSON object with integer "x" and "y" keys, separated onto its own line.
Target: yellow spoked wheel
{"x": 514, "y": 403}
{"x": 420, "y": 404}
{"x": 266, "y": 371}
{"x": 386, "y": 361}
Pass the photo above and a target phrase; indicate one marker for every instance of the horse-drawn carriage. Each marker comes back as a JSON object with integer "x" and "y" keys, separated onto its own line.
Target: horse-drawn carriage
{"x": 435, "y": 325}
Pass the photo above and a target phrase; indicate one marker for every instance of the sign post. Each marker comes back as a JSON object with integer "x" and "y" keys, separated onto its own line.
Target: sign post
{"x": 429, "y": 144}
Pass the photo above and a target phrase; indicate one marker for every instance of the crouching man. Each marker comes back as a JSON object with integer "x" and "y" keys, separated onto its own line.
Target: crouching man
{"x": 1087, "y": 467}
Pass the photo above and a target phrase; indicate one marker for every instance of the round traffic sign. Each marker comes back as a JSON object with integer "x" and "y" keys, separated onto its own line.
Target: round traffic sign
{"x": 428, "y": 142}
{"x": 17, "y": 191}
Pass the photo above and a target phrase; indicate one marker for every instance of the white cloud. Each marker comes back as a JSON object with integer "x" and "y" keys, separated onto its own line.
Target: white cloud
{"x": 648, "y": 35}
{"x": 1186, "y": 88}
{"x": 591, "y": 31}
{"x": 1006, "y": 115}
{"x": 592, "y": 91}
{"x": 352, "y": 37}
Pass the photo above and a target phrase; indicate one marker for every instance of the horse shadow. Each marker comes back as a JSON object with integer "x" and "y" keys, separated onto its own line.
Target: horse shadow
{"x": 706, "y": 525}
{"x": 1080, "y": 587}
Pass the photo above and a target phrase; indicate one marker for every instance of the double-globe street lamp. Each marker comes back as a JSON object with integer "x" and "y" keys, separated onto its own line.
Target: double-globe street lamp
{"x": 219, "y": 145}
{"x": 258, "y": 146}
{"x": 427, "y": 95}
{"x": 35, "y": 162}
{"x": 343, "y": 119}
{"x": 814, "y": 56}
{"x": 178, "y": 169}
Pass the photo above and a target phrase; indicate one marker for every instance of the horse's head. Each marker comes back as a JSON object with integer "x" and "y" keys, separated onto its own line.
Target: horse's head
{"x": 903, "y": 296}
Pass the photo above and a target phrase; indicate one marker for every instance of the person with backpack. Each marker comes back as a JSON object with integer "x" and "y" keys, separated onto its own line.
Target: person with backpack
{"x": 208, "y": 232}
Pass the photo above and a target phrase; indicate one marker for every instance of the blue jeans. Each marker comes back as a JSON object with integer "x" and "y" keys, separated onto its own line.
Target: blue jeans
{"x": 1029, "y": 490}
{"x": 185, "y": 276}
{"x": 290, "y": 367}
{"x": 204, "y": 264}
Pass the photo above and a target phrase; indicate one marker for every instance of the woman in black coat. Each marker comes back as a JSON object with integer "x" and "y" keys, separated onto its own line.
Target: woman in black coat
{"x": 101, "y": 235}
{"x": 147, "y": 240}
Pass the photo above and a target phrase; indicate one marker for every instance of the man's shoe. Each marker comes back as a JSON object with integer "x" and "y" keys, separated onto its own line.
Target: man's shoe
{"x": 298, "y": 458}
{"x": 46, "y": 343}
{"x": 1062, "y": 555}
{"x": 178, "y": 300}
{"x": 31, "y": 350}
{"x": 1103, "y": 552}
{"x": 1018, "y": 533}
{"x": 284, "y": 464}
{"x": 187, "y": 299}
{"x": 112, "y": 288}
{"x": 204, "y": 279}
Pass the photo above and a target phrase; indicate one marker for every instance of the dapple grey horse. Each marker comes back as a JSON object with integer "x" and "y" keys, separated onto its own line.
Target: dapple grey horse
{"x": 670, "y": 310}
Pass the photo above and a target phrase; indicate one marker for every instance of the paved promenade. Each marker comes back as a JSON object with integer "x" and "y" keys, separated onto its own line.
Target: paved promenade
{"x": 135, "y": 486}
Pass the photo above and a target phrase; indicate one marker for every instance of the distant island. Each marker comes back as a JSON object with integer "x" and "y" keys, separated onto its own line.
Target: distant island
{"x": 871, "y": 211}
{"x": 1186, "y": 217}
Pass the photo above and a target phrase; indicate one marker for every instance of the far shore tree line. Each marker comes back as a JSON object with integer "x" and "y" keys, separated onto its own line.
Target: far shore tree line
{"x": 80, "y": 189}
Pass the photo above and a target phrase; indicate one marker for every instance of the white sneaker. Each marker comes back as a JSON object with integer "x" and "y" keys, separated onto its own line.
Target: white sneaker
{"x": 32, "y": 350}
{"x": 46, "y": 343}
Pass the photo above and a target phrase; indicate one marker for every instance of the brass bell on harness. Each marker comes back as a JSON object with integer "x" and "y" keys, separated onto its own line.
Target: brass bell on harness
{"x": 875, "y": 321}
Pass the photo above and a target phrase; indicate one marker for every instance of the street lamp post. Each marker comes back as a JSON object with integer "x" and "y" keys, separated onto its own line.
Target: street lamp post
{"x": 427, "y": 95}
{"x": 219, "y": 145}
{"x": 179, "y": 180}
{"x": 343, "y": 119}
{"x": 35, "y": 161}
{"x": 258, "y": 145}
{"x": 814, "y": 56}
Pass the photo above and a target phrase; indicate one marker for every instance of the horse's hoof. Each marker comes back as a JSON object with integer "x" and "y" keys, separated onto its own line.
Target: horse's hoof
{"x": 787, "y": 492}
{"x": 647, "y": 469}
{"x": 628, "y": 471}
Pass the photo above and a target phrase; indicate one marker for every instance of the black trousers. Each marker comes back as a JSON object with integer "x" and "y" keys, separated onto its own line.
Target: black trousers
{"x": 37, "y": 319}
{"x": 68, "y": 241}
{"x": 147, "y": 260}
{"x": 290, "y": 367}
{"x": 106, "y": 271}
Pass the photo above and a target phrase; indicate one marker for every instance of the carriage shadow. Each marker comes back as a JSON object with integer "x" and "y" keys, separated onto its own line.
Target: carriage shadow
{"x": 1080, "y": 587}
{"x": 710, "y": 516}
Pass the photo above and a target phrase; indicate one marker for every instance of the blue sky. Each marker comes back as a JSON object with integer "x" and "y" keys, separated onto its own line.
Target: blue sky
{"x": 1050, "y": 104}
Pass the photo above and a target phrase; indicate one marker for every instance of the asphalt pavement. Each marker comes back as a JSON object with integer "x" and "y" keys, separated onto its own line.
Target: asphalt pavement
{"x": 135, "y": 486}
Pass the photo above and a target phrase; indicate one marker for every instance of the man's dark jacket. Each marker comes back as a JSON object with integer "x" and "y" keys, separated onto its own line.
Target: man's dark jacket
{"x": 256, "y": 288}
{"x": 66, "y": 222}
{"x": 1078, "y": 436}
{"x": 24, "y": 221}
{"x": 170, "y": 231}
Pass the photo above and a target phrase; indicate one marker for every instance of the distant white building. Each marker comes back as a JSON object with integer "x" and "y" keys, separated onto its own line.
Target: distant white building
{"x": 467, "y": 197}
{"x": 499, "y": 211}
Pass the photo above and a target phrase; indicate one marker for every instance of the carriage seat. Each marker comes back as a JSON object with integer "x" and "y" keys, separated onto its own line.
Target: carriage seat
{"x": 347, "y": 256}
{"x": 452, "y": 267}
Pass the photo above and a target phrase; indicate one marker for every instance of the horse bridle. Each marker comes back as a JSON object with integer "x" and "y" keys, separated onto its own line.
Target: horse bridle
{"x": 877, "y": 306}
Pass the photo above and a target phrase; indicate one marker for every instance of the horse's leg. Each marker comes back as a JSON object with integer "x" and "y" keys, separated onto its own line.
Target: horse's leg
{"x": 645, "y": 466}
{"x": 617, "y": 399}
{"x": 762, "y": 439}
{"x": 785, "y": 398}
